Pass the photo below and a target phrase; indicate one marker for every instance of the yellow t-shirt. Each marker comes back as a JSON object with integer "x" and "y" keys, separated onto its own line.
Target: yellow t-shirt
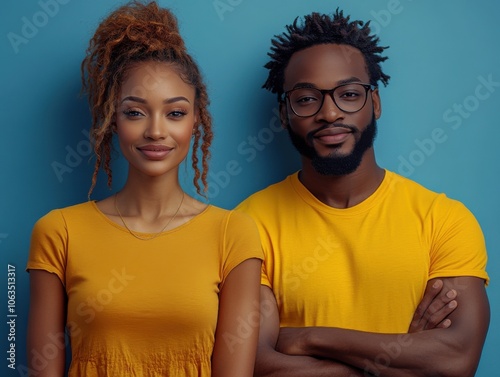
{"x": 364, "y": 267}
{"x": 141, "y": 308}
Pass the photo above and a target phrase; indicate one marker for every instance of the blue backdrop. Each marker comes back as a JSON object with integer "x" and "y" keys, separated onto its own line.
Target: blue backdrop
{"x": 438, "y": 124}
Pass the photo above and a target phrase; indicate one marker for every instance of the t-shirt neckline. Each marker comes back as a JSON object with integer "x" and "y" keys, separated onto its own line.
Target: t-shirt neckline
{"x": 143, "y": 234}
{"x": 364, "y": 206}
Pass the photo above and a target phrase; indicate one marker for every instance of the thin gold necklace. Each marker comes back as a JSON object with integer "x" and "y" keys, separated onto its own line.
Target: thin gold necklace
{"x": 154, "y": 235}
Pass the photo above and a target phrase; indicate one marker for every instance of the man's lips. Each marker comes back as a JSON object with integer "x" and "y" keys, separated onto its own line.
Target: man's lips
{"x": 332, "y": 135}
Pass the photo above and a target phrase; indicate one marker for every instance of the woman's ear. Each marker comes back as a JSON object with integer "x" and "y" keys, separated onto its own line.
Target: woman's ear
{"x": 113, "y": 125}
{"x": 196, "y": 117}
{"x": 196, "y": 122}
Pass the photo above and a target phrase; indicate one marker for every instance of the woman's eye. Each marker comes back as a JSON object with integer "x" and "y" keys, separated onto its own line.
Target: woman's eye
{"x": 177, "y": 113}
{"x": 132, "y": 113}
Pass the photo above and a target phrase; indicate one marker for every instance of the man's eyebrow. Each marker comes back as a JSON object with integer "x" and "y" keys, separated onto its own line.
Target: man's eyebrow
{"x": 304, "y": 85}
{"x": 349, "y": 80}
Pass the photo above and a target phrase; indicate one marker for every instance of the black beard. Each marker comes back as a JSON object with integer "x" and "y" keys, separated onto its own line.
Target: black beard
{"x": 336, "y": 165}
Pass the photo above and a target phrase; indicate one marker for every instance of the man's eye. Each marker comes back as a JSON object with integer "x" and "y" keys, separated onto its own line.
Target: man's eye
{"x": 304, "y": 100}
{"x": 307, "y": 99}
{"x": 350, "y": 95}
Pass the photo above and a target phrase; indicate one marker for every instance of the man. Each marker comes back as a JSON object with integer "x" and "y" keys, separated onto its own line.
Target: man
{"x": 351, "y": 248}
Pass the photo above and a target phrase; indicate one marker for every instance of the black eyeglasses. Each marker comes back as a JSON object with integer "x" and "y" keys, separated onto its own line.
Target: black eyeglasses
{"x": 349, "y": 98}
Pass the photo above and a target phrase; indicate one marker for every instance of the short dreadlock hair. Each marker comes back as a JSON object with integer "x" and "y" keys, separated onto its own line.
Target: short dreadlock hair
{"x": 323, "y": 29}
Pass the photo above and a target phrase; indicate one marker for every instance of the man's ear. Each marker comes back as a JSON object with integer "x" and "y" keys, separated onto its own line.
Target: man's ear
{"x": 377, "y": 105}
{"x": 283, "y": 115}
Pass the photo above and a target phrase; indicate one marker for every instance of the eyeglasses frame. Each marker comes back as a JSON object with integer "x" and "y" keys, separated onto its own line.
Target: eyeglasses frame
{"x": 286, "y": 96}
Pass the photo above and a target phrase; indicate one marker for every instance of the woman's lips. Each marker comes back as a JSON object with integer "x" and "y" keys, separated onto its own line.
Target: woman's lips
{"x": 155, "y": 152}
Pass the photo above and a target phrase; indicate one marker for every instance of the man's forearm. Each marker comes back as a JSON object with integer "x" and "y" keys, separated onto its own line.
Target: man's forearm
{"x": 441, "y": 352}
{"x": 389, "y": 355}
{"x": 451, "y": 352}
{"x": 271, "y": 363}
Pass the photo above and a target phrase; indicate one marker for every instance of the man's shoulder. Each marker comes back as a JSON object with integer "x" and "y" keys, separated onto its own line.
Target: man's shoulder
{"x": 272, "y": 190}
{"x": 267, "y": 196}
{"x": 419, "y": 194}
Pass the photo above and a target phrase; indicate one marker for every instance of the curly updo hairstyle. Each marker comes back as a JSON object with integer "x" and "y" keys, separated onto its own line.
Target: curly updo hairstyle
{"x": 138, "y": 32}
{"x": 317, "y": 29}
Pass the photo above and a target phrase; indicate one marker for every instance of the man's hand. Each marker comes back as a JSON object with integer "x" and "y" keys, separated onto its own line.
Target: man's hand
{"x": 291, "y": 341}
{"x": 434, "y": 309}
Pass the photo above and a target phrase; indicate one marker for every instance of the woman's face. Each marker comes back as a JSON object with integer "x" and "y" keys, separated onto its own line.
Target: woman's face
{"x": 155, "y": 117}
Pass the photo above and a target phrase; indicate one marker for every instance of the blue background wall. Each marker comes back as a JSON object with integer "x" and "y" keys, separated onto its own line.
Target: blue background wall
{"x": 439, "y": 124}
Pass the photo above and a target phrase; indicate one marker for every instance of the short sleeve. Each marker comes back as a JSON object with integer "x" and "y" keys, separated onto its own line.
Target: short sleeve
{"x": 241, "y": 242}
{"x": 458, "y": 246}
{"x": 48, "y": 247}
{"x": 264, "y": 277}
{"x": 247, "y": 208}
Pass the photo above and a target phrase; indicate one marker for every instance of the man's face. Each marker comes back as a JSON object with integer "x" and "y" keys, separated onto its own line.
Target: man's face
{"x": 334, "y": 140}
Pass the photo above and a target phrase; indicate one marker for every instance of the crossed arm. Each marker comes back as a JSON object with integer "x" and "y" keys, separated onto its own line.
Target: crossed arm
{"x": 446, "y": 348}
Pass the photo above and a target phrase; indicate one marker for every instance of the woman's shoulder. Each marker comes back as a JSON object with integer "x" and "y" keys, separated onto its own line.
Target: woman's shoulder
{"x": 55, "y": 224}
{"x": 72, "y": 211}
{"x": 76, "y": 209}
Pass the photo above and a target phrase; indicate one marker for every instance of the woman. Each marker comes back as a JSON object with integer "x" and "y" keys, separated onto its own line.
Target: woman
{"x": 149, "y": 281}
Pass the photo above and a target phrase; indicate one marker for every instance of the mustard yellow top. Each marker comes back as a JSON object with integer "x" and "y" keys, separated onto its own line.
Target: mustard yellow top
{"x": 364, "y": 267}
{"x": 141, "y": 308}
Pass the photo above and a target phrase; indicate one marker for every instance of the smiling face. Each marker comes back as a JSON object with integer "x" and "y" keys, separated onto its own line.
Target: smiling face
{"x": 155, "y": 117}
{"x": 335, "y": 141}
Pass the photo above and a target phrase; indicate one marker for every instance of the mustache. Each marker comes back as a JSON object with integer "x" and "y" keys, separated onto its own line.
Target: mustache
{"x": 310, "y": 135}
